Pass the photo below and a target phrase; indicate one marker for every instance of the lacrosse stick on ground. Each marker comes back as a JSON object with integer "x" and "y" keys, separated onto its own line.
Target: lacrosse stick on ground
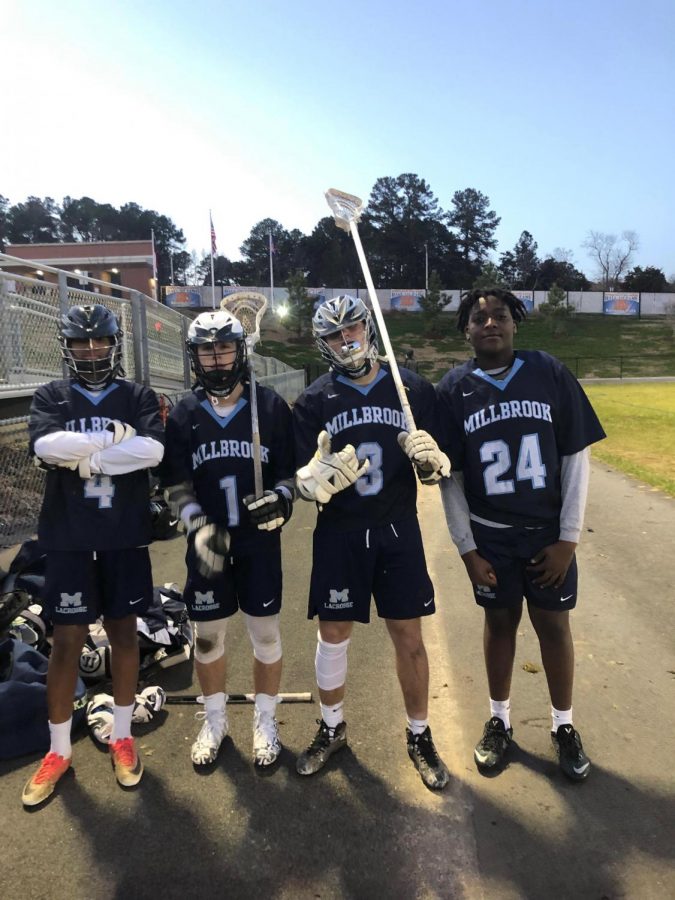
{"x": 249, "y": 308}
{"x": 347, "y": 209}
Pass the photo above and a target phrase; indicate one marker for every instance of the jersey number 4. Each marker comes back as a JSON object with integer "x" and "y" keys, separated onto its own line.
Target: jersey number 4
{"x": 529, "y": 466}
{"x": 101, "y": 488}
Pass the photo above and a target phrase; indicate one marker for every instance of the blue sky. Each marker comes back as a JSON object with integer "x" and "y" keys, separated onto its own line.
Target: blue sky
{"x": 562, "y": 113}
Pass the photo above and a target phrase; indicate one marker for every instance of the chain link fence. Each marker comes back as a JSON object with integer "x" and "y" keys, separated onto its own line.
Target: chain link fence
{"x": 153, "y": 347}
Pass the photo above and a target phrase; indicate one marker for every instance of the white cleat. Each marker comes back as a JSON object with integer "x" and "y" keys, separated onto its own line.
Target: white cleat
{"x": 213, "y": 731}
{"x": 266, "y": 743}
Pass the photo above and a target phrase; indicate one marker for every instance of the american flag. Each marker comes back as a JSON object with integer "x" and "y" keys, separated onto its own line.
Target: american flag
{"x": 214, "y": 249}
{"x": 273, "y": 249}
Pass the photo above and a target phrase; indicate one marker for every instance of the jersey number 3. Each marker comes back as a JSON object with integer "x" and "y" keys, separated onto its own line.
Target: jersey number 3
{"x": 529, "y": 467}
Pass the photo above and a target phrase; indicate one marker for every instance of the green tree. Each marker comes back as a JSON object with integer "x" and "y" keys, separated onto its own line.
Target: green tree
{"x": 330, "y": 257}
{"x": 647, "y": 279}
{"x": 300, "y": 304}
{"x": 35, "y": 221}
{"x": 556, "y": 311}
{"x": 475, "y": 224}
{"x": 520, "y": 266}
{"x": 256, "y": 252}
{"x": 560, "y": 272}
{"x": 432, "y": 304}
{"x": 489, "y": 276}
{"x": 4, "y": 209}
{"x": 397, "y": 225}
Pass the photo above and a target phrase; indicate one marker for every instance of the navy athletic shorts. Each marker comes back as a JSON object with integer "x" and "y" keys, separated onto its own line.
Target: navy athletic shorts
{"x": 386, "y": 562}
{"x": 251, "y": 580}
{"x": 83, "y": 585}
{"x": 510, "y": 550}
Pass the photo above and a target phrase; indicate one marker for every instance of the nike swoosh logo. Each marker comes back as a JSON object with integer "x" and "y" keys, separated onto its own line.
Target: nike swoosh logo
{"x": 134, "y": 602}
{"x": 331, "y": 396}
{"x": 429, "y": 602}
{"x": 481, "y": 757}
{"x": 61, "y": 402}
{"x": 467, "y": 393}
{"x": 581, "y": 768}
{"x": 195, "y": 426}
{"x": 269, "y": 603}
{"x": 569, "y": 597}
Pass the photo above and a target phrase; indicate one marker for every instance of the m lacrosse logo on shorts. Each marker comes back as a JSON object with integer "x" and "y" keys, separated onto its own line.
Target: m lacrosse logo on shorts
{"x": 484, "y": 591}
{"x": 339, "y": 599}
{"x": 71, "y": 603}
{"x": 204, "y": 602}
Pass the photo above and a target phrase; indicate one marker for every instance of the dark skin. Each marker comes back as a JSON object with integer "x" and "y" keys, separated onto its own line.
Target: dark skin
{"x": 490, "y": 331}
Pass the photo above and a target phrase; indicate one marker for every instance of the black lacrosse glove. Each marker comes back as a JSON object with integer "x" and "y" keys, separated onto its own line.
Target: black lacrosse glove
{"x": 211, "y": 543}
{"x": 270, "y": 511}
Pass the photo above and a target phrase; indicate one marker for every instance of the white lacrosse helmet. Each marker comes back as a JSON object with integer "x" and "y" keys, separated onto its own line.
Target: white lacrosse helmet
{"x": 352, "y": 359}
{"x": 209, "y": 328}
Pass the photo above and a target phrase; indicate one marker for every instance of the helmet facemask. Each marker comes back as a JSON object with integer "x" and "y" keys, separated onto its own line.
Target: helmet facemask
{"x": 90, "y": 323}
{"x": 207, "y": 331}
{"x": 353, "y": 358}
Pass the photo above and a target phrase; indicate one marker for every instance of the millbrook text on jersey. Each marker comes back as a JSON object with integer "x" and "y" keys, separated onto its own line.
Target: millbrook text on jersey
{"x": 223, "y": 448}
{"x": 510, "y": 409}
{"x": 378, "y": 415}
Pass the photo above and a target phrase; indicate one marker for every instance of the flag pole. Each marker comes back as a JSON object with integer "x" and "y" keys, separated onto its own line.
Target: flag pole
{"x": 213, "y": 248}
{"x": 154, "y": 265}
{"x": 271, "y": 249}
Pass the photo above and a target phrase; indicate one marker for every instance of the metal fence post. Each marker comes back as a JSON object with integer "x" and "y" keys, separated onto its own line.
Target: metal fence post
{"x": 64, "y": 305}
{"x": 187, "y": 378}
{"x": 140, "y": 322}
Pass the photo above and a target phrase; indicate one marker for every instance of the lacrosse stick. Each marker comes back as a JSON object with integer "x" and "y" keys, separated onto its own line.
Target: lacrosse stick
{"x": 347, "y": 209}
{"x": 302, "y": 697}
{"x": 249, "y": 307}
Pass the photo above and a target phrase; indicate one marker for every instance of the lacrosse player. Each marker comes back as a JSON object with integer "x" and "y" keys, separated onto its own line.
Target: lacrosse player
{"x": 234, "y": 539}
{"x": 518, "y": 428}
{"x": 367, "y": 538}
{"x": 97, "y": 435}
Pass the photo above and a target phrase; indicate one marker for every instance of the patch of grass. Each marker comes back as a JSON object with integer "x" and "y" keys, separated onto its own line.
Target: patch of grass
{"x": 640, "y": 423}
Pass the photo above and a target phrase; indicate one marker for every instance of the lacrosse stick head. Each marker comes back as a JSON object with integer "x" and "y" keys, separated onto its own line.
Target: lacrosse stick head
{"x": 249, "y": 307}
{"x": 216, "y": 345}
{"x": 346, "y": 208}
{"x": 344, "y": 354}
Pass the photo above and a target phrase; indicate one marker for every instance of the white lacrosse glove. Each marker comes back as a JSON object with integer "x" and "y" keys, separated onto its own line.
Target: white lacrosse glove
{"x": 329, "y": 473}
{"x": 211, "y": 543}
{"x": 427, "y": 457}
{"x": 120, "y": 431}
{"x": 270, "y": 511}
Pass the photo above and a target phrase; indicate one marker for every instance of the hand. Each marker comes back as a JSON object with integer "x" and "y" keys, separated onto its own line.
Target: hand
{"x": 328, "y": 473}
{"x": 551, "y": 564}
{"x": 83, "y": 466}
{"x": 270, "y": 511}
{"x": 427, "y": 457}
{"x": 211, "y": 543}
{"x": 120, "y": 431}
{"x": 479, "y": 570}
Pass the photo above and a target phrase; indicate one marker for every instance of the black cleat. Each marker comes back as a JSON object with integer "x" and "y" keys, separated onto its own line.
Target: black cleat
{"x": 327, "y": 741}
{"x": 426, "y": 760}
{"x": 571, "y": 757}
{"x": 491, "y": 749}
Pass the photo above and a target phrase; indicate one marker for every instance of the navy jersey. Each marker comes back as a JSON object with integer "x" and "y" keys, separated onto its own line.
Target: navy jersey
{"x": 105, "y": 512}
{"x": 369, "y": 417}
{"x": 507, "y": 437}
{"x": 215, "y": 454}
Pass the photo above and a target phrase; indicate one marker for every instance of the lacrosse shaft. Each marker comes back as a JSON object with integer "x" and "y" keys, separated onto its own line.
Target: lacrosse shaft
{"x": 302, "y": 697}
{"x": 255, "y": 435}
{"x": 384, "y": 334}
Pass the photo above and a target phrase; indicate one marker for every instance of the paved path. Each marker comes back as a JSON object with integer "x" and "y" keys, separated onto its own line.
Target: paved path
{"x": 366, "y": 827}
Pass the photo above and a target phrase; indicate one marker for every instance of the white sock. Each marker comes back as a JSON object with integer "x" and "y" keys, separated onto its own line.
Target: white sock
{"x": 60, "y": 738}
{"x": 560, "y": 717}
{"x": 501, "y": 709}
{"x": 121, "y": 722}
{"x": 215, "y": 702}
{"x": 332, "y": 715}
{"x": 417, "y": 726}
{"x": 266, "y": 703}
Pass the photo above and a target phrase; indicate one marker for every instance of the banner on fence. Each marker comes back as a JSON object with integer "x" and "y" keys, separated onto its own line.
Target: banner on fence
{"x": 407, "y": 301}
{"x": 182, "y": 299}
{"x": 621, "y": 304}
{"x": 527, "y": 298}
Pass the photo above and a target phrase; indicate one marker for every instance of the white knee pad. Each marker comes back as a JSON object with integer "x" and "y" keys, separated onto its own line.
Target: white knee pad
{"x": 265, "y": 637}
{"x": 331, "y": 664}
{"x": 210, "y": 640}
